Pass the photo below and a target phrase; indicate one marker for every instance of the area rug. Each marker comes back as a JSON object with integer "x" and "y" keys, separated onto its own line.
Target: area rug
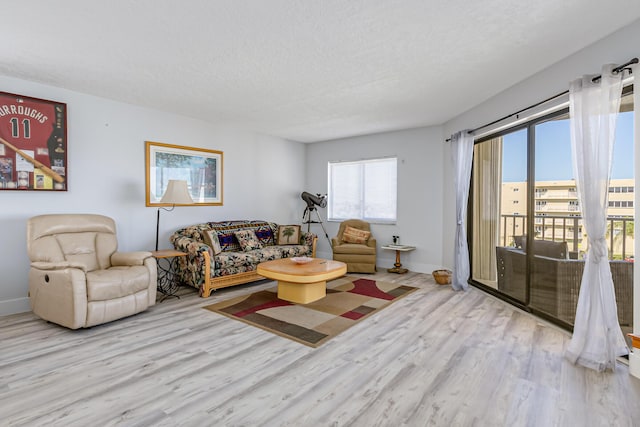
{"x": 349, "y": 300}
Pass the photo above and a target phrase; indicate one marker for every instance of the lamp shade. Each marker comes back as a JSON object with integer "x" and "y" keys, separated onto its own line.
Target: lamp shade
{"x": 177, "y": 193}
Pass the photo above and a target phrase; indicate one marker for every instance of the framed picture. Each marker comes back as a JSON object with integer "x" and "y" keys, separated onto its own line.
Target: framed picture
{"x": 33, "y": 144}
{"x": 201, "y": 168}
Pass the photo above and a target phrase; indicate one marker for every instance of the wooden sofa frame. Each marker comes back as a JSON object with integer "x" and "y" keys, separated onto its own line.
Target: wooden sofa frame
{"x": 211, "y": 284}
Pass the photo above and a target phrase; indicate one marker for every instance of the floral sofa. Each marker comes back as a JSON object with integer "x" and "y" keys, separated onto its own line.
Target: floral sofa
{"x": 215, "y": 258}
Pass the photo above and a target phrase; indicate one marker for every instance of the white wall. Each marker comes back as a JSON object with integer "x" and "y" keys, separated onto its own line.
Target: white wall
{"x": 263, "y": 178}
{"x": 617, "y": 48}
{"x": 420, "y": 191}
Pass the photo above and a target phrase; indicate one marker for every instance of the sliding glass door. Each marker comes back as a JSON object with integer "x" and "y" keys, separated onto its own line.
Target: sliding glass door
{"x": 558, "y": 235}
{"x": 499, "y": 211}
{"x": 527, "y": 236}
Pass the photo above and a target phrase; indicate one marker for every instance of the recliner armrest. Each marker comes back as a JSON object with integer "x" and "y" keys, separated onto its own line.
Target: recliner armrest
{"x": 43, "y": 265}
{"x": 129, "y": 258}
{"x": 371, "y": 242}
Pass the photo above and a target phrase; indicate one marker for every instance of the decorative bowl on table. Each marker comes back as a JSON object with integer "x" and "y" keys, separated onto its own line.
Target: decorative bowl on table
{"x": 301, "y": 259}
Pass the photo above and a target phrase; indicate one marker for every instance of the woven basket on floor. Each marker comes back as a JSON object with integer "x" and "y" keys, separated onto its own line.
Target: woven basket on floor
{"x": 442, "y": 277}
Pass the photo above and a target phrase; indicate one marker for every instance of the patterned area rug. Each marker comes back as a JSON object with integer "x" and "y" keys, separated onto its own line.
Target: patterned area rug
{"x": 348, "y": 301}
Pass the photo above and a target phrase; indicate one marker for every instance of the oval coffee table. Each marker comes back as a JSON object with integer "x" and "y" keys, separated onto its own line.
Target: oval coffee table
{"x": 302, "y": 283}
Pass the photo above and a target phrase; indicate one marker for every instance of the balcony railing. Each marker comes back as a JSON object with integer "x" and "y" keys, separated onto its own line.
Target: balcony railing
{"x": 556, "y": 194}
{"x": 557, "y": 207}
{"x": 567, "y": 229}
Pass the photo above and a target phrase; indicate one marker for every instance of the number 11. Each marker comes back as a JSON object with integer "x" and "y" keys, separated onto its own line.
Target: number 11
{"x": 15, "y": 129}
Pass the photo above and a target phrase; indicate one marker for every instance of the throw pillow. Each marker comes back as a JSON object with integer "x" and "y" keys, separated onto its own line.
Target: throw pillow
{"x": 288, "y": 235}
{"x": 248, "y": 240}
{"x": 210, "y": 237}
{"x": 354, "y": 235}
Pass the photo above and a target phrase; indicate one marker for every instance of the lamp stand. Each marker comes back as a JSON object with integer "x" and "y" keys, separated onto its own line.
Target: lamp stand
{"x": 158, "y": 223}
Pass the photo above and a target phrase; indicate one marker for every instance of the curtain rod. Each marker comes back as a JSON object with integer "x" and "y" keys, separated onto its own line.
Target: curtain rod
{"x": 616, "y": 70}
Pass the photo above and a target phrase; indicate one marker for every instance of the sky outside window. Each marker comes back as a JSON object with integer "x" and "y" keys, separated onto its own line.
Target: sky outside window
{"x": 553, "y": 152}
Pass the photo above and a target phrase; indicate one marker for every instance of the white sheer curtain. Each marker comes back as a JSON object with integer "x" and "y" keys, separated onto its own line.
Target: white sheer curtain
{"x": 597, "y": 338}
{"x": 461, "y": 156}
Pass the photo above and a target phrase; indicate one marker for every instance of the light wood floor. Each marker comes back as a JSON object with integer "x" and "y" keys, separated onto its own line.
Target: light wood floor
{"x": 435, "y": 357}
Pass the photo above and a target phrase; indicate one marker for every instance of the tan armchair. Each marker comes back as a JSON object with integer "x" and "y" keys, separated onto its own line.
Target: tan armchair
{"x": 78, "y": 279}
{"x": 359, "y": 257}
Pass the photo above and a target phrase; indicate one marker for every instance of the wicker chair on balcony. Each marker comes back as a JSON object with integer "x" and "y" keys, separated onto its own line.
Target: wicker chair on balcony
{"x": 555, "y": 282}
{"x": 566, "y": 275}
{"x": 512, "y": 267}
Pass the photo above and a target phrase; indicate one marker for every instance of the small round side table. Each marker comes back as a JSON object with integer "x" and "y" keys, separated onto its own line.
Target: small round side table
{"x": 397, "y": 267}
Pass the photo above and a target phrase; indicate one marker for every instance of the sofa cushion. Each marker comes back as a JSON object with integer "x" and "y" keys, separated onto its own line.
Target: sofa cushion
{"x": 268, "y": 253}
{"x": 210, "y": 237}
{"x": 236, "y": 259}
{"x": 226, "y": 233}
{"x": 266, "y": 233}
{"x": 354, "y": 235}
{"x": 248, "y": 240}
{"x": 288, "y": 251}
{"x": 288, "y": 235}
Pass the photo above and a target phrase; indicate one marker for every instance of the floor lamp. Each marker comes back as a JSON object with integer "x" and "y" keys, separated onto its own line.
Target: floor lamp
{"x": 177, "y": 193}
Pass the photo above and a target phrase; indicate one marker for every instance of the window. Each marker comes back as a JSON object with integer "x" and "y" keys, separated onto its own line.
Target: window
{"x": 365, "y": 189}
{"x": 621, "y": 204}
{"x": 621, "y": 189}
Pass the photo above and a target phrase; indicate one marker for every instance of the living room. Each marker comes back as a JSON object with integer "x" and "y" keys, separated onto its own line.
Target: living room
{"x": 263, "y": 174}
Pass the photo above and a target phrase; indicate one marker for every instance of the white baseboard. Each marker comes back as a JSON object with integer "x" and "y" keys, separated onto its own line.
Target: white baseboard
{"x": 385, "y": 263}
{"x": 634, "y": 363}
{"x": 14, "y": 306}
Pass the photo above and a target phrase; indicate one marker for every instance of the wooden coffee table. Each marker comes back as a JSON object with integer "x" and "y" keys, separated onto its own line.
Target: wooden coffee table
{"x": 302, "y": 283}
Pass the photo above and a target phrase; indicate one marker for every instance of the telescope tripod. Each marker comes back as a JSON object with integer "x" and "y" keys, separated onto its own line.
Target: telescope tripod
{"x": 306, "y": 219}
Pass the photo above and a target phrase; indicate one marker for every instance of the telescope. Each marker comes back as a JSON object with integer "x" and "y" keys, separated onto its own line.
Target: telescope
{"x": 314, "y": 200}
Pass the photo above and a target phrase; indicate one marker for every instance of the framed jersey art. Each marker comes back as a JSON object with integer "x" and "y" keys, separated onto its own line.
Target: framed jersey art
{"x": 33, "y": 143}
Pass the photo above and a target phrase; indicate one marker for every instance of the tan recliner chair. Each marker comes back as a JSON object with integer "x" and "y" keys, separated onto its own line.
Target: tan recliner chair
{"x": 77, "y": 279}
{"x": 360, "y": 258}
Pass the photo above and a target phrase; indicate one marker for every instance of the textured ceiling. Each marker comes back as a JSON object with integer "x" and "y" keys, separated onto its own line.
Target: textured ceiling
{"x": 303, "y": 70}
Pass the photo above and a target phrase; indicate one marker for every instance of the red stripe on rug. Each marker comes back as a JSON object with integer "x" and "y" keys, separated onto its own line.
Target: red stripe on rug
{"x": 270, "y": 304}
{"x": 353, "y": 315}
{"x": 368, "y": 288}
